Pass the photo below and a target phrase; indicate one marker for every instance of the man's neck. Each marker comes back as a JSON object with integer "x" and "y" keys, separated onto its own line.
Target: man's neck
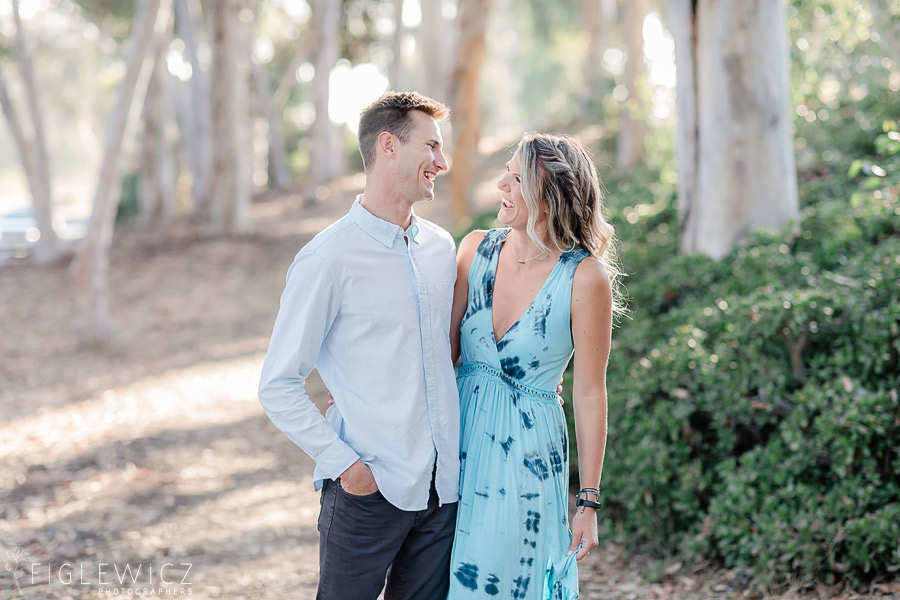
{"x": 386, "y": 206}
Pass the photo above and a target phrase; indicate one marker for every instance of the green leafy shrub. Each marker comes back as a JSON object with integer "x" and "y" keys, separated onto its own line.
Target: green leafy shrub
{"x": 754, "y": 412}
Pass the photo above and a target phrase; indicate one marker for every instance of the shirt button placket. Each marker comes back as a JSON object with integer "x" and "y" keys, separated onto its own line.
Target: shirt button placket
{"x": 427, "y": 346}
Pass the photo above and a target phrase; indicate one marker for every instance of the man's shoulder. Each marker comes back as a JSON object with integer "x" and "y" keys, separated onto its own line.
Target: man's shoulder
{"x": 330, "y": 239}
{"x": 436, "y": 233}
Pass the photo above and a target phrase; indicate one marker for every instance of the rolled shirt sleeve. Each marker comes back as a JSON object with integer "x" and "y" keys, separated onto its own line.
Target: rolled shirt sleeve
{"x": 309, "y": 306}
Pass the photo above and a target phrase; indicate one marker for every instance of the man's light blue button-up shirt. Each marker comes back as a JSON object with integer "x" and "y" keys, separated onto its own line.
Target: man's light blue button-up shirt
{"x": 368, "y": 304}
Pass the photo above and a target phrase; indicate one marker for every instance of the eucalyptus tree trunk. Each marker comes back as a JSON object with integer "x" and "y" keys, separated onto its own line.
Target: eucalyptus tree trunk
{"x": 277, "y": 164}
{"x": 197, "y": 133}
{"x": 325, "y": 160}
{"x": 598, "y": 17}
{"x": 632, "y": 119}
{"x": 90, "y": 270}
{"x": 434, "y": 43}
{"x": 156, "y": 174}
{"x": 395, "y": 71}
{"x": 48, "y": 247}
{"x": 466, "y": 106}
{"x": 230, "y": 192}
{"x": 735, "y": 156}
{"x": 23, "y": 144}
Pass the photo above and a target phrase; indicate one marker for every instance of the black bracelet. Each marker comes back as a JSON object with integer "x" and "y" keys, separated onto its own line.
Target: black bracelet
{"x": 588, "y": 503}
{"x": 586, "y": 491}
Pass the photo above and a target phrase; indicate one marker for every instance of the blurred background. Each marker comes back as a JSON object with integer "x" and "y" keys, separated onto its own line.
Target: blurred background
{"x": 163, "y": 160}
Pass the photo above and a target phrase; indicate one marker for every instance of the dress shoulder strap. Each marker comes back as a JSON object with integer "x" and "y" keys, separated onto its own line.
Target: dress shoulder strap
{"x": 492, "y": 239}
{"x": 565, "y": 275}
{"x": 570, "y": 260}
{"x": 489, "y": 247}
{"x": 562, "y": 295}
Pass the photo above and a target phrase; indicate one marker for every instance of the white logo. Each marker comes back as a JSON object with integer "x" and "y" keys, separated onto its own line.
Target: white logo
{"x": 110, "y": 578}
{"x": 17, "y": 558}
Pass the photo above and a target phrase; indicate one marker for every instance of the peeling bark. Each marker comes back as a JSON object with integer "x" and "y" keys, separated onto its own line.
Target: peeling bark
{"x": 734, "y": 141}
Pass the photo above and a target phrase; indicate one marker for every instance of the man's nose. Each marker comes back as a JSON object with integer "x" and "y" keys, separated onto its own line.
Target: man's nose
{"x": 440, "y": 161}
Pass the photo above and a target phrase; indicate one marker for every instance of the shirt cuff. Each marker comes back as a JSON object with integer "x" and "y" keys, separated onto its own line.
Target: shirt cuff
{"x": 336, "y": 459}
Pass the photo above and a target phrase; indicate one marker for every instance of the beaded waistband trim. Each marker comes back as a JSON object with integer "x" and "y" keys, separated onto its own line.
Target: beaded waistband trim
{"x": 535, "y": 393}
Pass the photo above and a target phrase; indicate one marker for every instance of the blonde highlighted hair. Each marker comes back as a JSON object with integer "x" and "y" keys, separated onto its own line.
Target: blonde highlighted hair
{"x": 560, "y": 179}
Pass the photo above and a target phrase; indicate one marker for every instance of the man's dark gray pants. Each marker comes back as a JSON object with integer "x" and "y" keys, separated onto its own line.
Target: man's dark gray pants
{"x": 362, "y": 539}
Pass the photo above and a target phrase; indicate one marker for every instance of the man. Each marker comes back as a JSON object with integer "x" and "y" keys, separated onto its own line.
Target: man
{"x": 368, "y": 302}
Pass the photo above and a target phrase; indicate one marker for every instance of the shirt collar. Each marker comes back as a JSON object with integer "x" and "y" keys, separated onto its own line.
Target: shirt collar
{"x": 383, "y": 231}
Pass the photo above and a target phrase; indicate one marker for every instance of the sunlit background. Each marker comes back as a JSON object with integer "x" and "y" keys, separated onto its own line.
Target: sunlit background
{"x": 753, "y": 395}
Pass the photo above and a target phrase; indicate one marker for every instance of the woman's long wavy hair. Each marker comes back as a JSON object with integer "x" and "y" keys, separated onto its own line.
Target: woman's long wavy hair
{"x": 559, "y": 178}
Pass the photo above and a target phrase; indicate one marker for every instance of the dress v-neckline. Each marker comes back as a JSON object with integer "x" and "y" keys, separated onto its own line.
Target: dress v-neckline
{"x": 497, "y": 340}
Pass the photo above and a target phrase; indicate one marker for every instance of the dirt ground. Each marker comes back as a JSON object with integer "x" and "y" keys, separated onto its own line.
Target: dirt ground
{"x": 155, "y": 457}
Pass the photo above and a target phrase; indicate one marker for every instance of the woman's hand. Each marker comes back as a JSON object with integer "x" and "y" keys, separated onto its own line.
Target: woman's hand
{"x": 584, "y": 531}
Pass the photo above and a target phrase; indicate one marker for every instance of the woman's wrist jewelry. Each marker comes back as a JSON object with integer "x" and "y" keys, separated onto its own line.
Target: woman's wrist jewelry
{"x": 588, "y": 504}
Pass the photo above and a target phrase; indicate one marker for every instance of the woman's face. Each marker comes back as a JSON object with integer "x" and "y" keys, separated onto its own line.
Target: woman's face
{"x": 513, "y": 210}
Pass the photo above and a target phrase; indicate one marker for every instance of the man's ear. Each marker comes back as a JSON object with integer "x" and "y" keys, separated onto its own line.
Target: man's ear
{"x": 385, "y": 143}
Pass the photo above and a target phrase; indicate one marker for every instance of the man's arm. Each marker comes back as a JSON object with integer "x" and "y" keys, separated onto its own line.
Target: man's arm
{"x": 308, "y": 309}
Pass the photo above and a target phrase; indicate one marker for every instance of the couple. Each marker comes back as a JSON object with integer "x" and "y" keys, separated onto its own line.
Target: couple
{"x": 433, "y": 480}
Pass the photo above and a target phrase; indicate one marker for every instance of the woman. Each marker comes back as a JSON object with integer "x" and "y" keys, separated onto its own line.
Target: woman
{"x": 527, "y": 297}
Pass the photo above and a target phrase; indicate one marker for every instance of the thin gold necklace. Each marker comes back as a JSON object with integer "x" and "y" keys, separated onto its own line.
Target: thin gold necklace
{"x": 522, "y": 262}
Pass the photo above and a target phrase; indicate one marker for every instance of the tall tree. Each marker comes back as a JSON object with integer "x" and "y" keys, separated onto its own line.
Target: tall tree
{"x": 632, "y": 120}
{"x": 395, "y": 73}
{"x": 279, "y": 175}
{"x": 466, "y": 104}
{"x": 598, "y": 17}
{"x": 435, "y": 38}
{"x": 156, "y": 172}
{"x": 325, "y": 161}
{"x": 23, "y": 143}
{"x": 90, "y": 270}
{"x": 735, "y": 159}
{"x": 34, "y": 151}
{"x": 230, "y": 193}
{"x": 195, "y": 113}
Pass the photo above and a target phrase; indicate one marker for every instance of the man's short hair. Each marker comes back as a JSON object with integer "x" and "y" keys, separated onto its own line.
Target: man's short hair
{"x": 391, "y": 113}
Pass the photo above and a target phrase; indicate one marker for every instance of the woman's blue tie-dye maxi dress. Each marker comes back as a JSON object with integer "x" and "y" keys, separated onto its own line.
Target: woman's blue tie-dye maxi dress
{"x": 512, "y": 533}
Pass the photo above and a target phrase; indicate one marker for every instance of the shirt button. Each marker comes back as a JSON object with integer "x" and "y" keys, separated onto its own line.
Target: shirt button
{"x": 428, "y": 366}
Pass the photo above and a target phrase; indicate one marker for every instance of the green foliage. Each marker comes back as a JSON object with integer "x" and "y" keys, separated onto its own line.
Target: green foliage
{"x": 820, "y": 497}
{"x": 115, "y": 16}
{"x": 129, "y": 203}
{"x": 754, "y": 412}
